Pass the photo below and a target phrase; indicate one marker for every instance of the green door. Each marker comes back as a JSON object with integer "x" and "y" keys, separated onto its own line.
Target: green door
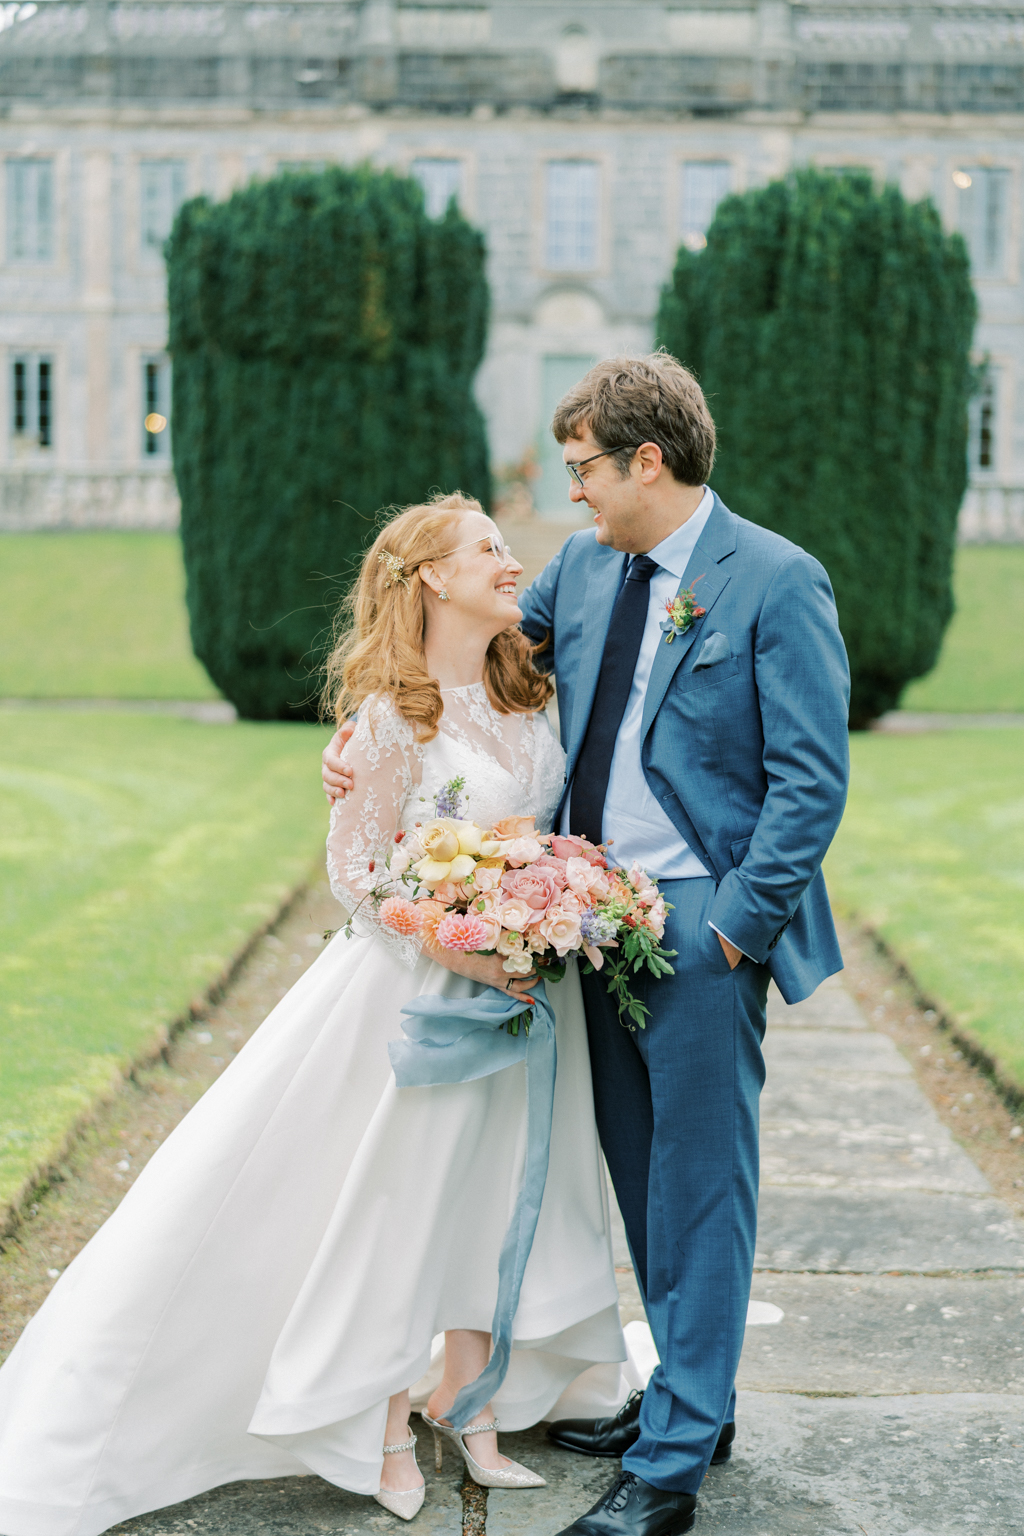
{"x": 552, "y": 486}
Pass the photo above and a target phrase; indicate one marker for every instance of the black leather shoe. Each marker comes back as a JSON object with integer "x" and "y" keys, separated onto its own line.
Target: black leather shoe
{"x": 723, "y": 1450}
{"x": 632, "y": 1507}
{"x": 601, "y": 1437}
{"x": 614, "y": 1436}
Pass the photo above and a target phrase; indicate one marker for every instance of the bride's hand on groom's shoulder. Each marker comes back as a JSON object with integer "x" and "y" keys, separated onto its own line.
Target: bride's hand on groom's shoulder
{"x": 336, "y": 774}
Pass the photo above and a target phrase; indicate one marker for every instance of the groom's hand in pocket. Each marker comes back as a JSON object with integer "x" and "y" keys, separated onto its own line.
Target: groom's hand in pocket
{"x": 336, "y": 774}
{"x": 732, "y": 954}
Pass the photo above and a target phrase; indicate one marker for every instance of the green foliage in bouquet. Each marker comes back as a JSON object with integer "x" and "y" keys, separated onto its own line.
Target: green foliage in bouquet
{"x": 325, "y": 333}
{"x": 639, "y": 949}
{"x": 830, "y": 327}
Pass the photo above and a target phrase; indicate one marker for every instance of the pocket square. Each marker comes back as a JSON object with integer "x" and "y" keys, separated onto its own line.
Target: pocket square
{"x": 715, "y": 648}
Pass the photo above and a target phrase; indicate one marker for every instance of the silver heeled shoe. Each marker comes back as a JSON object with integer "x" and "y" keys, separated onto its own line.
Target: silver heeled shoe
{"x": 407, "y": 1501}
{"x": 512, "y": 1476}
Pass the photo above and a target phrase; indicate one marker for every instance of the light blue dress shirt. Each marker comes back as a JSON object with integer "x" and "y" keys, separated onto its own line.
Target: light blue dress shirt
{"x": 634, "y": 823}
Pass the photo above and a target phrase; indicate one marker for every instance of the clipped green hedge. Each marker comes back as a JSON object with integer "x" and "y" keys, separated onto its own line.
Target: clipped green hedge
{"x": 830, "y": 327}
{"x": 325, "y": 333}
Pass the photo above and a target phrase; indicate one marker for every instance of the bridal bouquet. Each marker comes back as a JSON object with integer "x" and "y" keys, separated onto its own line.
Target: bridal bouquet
{"x": 533, "y": 899}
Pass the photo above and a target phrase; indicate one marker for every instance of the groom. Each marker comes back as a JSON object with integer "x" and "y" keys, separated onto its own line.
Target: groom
{"x": 710, "y": 745}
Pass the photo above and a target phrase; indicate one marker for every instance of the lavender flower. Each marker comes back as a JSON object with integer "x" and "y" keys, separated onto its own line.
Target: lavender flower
{"x": 595, "y": 928}
{"x": 449, "y": 798}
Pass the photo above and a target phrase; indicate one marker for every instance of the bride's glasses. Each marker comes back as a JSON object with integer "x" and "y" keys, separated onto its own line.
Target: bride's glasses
{"x": 499, "y": 549}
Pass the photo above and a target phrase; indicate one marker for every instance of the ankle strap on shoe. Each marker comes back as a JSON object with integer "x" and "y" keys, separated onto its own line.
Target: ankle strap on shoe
{"x": 479, "y": 1429}
{"x": 406, "y": 1445}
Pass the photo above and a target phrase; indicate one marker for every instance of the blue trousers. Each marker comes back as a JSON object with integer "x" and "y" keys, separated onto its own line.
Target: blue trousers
{"x": 677, "y": 1112}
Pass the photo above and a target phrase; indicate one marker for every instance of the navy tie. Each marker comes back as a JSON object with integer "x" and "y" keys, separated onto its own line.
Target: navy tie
{"x": 621, "y": 649}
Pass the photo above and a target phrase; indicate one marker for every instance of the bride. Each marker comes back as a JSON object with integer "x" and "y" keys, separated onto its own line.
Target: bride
{"x": 268, "y": 1298}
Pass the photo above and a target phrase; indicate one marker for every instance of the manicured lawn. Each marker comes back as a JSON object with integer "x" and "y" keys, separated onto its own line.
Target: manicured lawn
{"x": 137, "y": 854}
{"x": 981, "y": 668}
{"x": 95, "y": 615}
{"x": 102, "y": 615}
{"x": 931, "y": 853}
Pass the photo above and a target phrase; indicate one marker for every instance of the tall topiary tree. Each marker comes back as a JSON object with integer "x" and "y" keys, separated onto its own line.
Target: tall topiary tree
{"x": 325, "y": 334}
{"x": 830, "y": 326}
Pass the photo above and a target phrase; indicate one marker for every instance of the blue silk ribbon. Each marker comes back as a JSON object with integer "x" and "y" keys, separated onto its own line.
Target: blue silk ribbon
{"x": 456, "y": 1040}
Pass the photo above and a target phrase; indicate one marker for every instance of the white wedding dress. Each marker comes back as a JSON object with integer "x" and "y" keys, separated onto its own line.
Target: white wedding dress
{"x": 289, "y": 1256}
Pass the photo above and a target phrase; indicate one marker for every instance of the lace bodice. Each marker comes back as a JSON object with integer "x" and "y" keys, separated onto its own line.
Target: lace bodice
{"x": 512, "y": 765}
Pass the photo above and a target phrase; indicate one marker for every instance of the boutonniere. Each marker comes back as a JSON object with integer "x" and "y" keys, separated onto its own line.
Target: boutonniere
{"x": 682, "y": 611}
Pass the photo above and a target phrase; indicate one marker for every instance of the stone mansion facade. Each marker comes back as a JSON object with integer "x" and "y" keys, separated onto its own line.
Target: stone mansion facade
{"x": 586, "y": 140}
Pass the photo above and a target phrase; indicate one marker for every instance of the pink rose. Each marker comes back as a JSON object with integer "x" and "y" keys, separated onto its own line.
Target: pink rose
{"x": 515, "y": 826}
{"x": 556, "y": 866}
{"x": 537, "y": 887}
{"x": 570, "y": 902}
{"x": 656, "y": 918}
{"x": 516, "y": 914}
{"x": 522, "y": 850}
{"x": 577, "y": 848}
{"x": 485, "y": 911}
{"x": 586, "y": 879}
{"x": 562, "y": 930}
{"x": 486, "y": 878}
{"x": 620, "y": 891}
{"x": 646, "y": 890}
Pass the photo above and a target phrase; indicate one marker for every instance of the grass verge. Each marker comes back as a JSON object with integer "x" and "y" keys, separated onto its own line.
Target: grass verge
{"x": 95, "y": 615}
{"x": 931, "y": 856}
{"x": 137, "y": 856}
{"x": 102, "y": 615}
{"x": 981, "y": 669}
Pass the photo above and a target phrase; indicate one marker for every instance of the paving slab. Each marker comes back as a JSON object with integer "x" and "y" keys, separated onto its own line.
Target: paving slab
{"x": 904, "y": 1466}
{"x": 911, "y": 1466}
{"x": 866, "y": 1231}
{"x": 847, "y": 1110}
{"x": 298, "y": 1506}
{"x": 823, "y": 1051}
{"x": 888, "y": 1398}
{"x": 870, "y": 1335}
{"x": 831, "y": 1007}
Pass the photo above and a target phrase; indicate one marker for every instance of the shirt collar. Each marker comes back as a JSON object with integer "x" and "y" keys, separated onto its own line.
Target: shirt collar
{"x": 673, "y": 553}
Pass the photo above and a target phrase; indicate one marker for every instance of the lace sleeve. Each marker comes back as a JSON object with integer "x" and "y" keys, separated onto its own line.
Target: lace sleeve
{"x": 387, "y": 762}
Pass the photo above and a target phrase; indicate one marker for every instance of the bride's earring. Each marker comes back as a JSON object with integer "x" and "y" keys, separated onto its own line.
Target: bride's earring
{"x": 443, "y": 595}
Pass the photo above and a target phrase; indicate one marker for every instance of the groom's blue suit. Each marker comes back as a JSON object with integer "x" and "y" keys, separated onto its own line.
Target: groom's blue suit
{"x": 745, "y": 748}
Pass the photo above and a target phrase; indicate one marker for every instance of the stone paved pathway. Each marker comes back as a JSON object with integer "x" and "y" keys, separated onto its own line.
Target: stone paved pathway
{"x": 888, "y": 1396}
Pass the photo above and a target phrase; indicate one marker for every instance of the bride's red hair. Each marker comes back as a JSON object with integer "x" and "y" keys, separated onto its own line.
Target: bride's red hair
{"x": 379, "y": 630}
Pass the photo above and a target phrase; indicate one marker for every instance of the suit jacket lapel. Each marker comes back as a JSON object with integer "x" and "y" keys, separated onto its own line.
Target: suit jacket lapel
{"x": 598, "y": 602}
{"x": 717, "y": 540}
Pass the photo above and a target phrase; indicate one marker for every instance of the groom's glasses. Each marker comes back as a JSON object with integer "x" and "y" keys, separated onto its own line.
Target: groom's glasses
{"x": 574, "y": 469}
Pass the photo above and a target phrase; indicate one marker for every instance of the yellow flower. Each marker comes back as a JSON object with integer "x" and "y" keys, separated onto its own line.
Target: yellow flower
{"x": 450, "y": 847}
{"x": 470, "y": 837}
{"x": 440, "y": 840}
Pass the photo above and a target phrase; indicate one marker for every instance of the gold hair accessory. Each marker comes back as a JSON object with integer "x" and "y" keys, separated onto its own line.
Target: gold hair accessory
{"x": 395, "y": 567}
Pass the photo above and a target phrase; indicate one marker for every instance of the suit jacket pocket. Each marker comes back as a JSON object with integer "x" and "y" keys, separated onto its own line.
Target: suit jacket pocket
{"x": 713, "y": 652}
{"x": 738, "y": 850}
{"x": 707, "y": 677}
